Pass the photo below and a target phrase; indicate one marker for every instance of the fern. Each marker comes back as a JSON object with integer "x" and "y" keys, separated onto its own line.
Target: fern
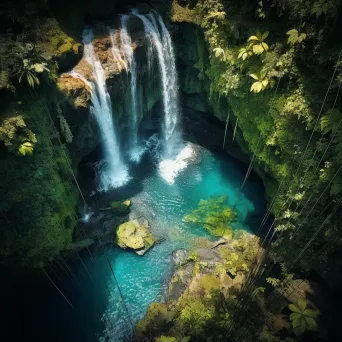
{"x": 65, "y": 129}
{"x": 331, "y": 123}
{"x": 273, "y": 281}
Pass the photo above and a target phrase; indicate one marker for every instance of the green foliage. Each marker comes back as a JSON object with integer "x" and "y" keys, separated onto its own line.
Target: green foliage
{"x": 166, "y": 339}
{"x": 156, "y": 320}
{"x": 241, "y": 255}
{"x": 214, "y": 215}
{"x": 40, "y": 198}
{"x": 331, "y": 123}
{"x": 26, "y": 148}
{"x": 302, "y": 319}
{"x": 295, "y": 37}
{"x": 273, "y": 281}
{"x": 257, "y": 43}
{"x": 321, "y": 7}
{"x": 267, "y": 335}
{"x": 196, "y": 317}
{"x": 31, "y": 26}
{"x": 261, "y": 83}
{"x": 245, "y": 52}
{"x": 31, "y": 64}
{"x": 16, "y": 136}
{"x": 219, "y": 52}
{"x": 261, "y": 11}
{"x": 65, "y": 129}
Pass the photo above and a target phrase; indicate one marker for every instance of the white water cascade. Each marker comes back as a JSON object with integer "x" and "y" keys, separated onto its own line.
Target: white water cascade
{"x": 112, "y": 171}
{"x": 126, "y": 46}
{"x": 159, "y": 37}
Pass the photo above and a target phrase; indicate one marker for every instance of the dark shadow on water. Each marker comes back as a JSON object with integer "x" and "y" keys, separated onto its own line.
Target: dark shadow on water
{"x": 138, "y": 172}
{"x": 253, "y": 190}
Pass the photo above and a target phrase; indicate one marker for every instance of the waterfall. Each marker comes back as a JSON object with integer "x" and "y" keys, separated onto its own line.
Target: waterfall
{"x": 159, "y": 37}
{"x": 127, "y": 49}
{"x": 112, "y": 171}
{"x": 115, "y": 49}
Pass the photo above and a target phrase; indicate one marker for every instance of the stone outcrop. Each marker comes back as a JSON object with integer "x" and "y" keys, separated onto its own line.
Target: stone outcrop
{"x": 77, "y": 91}
{"x": 135, "y": 235}
{"x": 222, "y": 259}
{"x": 75, "y": 84}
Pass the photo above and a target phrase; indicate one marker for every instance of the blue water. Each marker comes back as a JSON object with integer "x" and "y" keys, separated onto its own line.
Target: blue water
{"x": 145, "y": 279}
{"x": 105, "y": 307}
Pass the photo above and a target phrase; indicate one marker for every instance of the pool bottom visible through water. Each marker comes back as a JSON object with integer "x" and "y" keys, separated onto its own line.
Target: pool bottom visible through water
{"x": 106, "y": 307}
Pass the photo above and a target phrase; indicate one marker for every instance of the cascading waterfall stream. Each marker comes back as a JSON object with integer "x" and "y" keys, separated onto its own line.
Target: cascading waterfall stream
{"x": 113, "y": 172}
{"x": 161, "y": 40}
{"x": 127, "y": 49}
{"x": 175, "y": 156}
{"x": 115, "y": 49}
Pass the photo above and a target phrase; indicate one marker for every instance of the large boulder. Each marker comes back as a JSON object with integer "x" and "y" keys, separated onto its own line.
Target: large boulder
{"x": 77, "y": 91}
{"x": 181, "y": 280}
{"x": 180, "y": 256}
{"x": 120, "y": 207}
{"x": 135, "y": 235}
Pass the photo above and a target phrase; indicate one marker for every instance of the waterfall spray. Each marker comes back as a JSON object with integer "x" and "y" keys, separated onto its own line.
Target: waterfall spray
{"x": 112, "y": 171}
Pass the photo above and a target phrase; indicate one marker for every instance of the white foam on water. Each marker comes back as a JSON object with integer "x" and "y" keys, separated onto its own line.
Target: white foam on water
{"x": 169, "y": 169}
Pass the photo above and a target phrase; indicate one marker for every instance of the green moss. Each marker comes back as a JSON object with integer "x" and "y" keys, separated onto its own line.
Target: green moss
{"x": 134, "y": 235}
{"x": 120, "y": 204}
{"x": 166, "y": 339}
{"x": 65, "y": 48}
{"x": 214, "y": 215}
{"x": 156, "y": 320}
{"x": 196, "y": 317}
{"x": 210, "y": 283}
{"x": 184, "y": 14}
{"x": 40, "y": 197}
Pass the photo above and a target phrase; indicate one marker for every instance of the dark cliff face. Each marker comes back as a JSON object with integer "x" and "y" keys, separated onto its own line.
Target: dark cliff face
{"x": 199, "y": 113}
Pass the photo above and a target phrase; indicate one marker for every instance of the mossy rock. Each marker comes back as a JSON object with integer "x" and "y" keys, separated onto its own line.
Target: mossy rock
{"x": 65, "y": 48}
{"x": 77, "y": 48}
{"x": 158, "y": 314}
{"x": 120, "y": 204}
{"x": 68, "y": 54}
{"x": 120, "y": 207}
{"x": 134, "y": 235}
